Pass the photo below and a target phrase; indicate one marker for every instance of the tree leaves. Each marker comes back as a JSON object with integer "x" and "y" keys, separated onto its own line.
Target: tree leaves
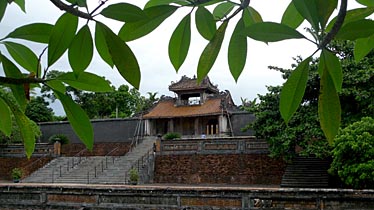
{"x": 122, "y": 56}
{"x": 353, "y": 15}
{"x": 6, "y": 120}
{"x": 85, "y": 81}
{"x": 36, "y": 32}
{"x": 237, "y": 52}
{"x": 101, "y": 45}
{"x": 180, "y": 42}
{"x": 78, "y": 119}
{"x": 12, "y": 71}
{"x": 331, "y": 63}
{"x": 205, "y": 23}
{"x": 124, "y": 12}
{"x": 291, "y": 17}
{"x": 363, "y": 47}
{"x": 62, "y": 35}
{"x": 293, "y": 90}
{"x": 210, "y": 53}
{"x": 3, "y": 5}
{"x": 222, "y": 10}
{"x": 329, "y": 110}
{"x": 309, "y": 10}
{"x": 355, "y": 30}
{"x": 271, "y": 32}
{"x": 156, "y": 15}
{"x": 81, "y": 50}
{"x": 21, "y": 4}
{"x": 251, "y": 16}
{"x": 368, "y": 3}
{"x": 23, "y": 56}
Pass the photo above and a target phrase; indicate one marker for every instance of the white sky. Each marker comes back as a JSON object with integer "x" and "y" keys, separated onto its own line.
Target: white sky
{"x": 152, "y": 51}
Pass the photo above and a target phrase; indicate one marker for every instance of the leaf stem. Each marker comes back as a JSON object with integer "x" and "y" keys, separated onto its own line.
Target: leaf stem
{"x": 71, "y": 10}
{"x": 19, "y": 81}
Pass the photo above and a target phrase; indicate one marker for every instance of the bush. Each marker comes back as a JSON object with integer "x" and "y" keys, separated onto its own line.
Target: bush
{"x": 59, "y": 137}
{"x": 353, "y": 154}
{"x": 171, "y": 136}
{"x": 16, "y": 173}
{"x": 134, "y": 176}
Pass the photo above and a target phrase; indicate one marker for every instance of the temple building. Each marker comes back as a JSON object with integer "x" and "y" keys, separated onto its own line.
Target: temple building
{"x": 197, "y": 109}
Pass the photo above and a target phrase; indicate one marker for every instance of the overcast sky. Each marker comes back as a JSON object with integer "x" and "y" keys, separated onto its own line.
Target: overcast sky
{"x": 151, "y": 51}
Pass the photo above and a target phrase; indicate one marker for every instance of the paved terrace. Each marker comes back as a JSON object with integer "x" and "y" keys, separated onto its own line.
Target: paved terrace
{"x": 82, "y": 196}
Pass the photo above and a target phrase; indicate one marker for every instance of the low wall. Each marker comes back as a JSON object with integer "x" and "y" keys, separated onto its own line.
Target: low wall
{"x": 18, "y": 150}
{"x": 19, "y": 196}
{"x": 107, "y": 130}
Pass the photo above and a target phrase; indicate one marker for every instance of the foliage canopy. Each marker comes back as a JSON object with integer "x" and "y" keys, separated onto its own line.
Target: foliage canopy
{"x": 80, "y": 42}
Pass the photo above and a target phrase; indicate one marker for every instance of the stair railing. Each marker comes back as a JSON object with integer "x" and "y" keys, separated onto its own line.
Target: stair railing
{"x": 24, "y": 169}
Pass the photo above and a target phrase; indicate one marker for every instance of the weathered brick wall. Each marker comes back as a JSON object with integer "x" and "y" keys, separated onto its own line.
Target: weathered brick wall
{"x": 103, "y": 197}
{"x": 216, "y": 169}
{"x": 8, "y": 163}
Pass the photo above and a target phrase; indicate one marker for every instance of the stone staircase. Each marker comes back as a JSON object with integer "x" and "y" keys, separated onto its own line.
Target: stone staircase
{"x": 96, "y": 169}
{"x": 306, "y": 172}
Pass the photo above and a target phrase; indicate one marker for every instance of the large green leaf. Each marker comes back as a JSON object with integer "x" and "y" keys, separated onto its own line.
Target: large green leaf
{"x": 3, "y": 5}
{"x": 222, "y": 10}
{"x": 309, "y": 10}
{"x": 81, "y": 50}
{"x": 355, "y": 30}
{"x": 11, "y": 71}
{"x": 291, "y": 17}
{"x": 56, "y": 85}
{"x": 124, "y": 12}
{"x": 363, "y": 47}
{"x": 36, "y": 32}
{"x": 210, "y": 53}
{"x": 101, "y": 45}
{"x": 237, "y": 52}
{"x": 123, "y": 58}
{"x": 205, "y": 23}
{"x": 23, "y": 56}
{"x": 24, "y": 124}
{"x": 62, "y": 35}
{"x": 85, "y": 81}
{"x": 368, "y": 3}
{"x": 78, "y": 119}
{"x": 329, "y": 110}
{"x": 6, "y": 119}
{"x": 271, "y": 32}
{"x": 156, "y": 15}
{"x": 180, "y": 42}
{"x": 293, "y": 90}
{"x": 21, "y": 4}
{"x": 80, "y": 3}
{"x": 353, "y": 15}
{"x": 331, "y": 63}
{"x": 153, "y": 3}
{"x": 251, "y": 16}
{"x": 325, "y": 9}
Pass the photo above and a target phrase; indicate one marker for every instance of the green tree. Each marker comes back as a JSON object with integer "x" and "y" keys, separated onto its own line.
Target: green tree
{"x": 65, "y": 35}
{"x": 37, "y": 110}
{"x": 353, "y": 154}
{"x": 303, "y": 130}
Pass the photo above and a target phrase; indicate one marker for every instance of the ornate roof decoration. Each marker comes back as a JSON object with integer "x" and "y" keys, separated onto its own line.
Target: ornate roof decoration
{"x": 188, "y": 84}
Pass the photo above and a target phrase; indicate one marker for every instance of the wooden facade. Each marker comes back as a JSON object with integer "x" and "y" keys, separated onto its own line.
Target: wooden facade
{"x": 198, "y": 109}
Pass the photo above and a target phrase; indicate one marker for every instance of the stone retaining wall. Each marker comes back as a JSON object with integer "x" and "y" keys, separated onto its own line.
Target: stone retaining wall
{"x": 18, "y": 196}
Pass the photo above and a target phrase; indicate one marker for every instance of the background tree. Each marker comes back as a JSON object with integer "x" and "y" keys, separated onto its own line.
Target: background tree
{"x": 353, "y": 154}
{"x": 65, "y": 35}
{"x": 37, "y": 110}
{"x": 303, "y": 130}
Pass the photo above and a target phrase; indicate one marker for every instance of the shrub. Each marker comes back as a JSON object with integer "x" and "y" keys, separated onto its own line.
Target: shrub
{"x": 171, "y": 136}
{"x": 134, "y": 176}
{"x": 16, "y": 173}
{"x": 353, "y": 154}
{"x": 63, "y": 139}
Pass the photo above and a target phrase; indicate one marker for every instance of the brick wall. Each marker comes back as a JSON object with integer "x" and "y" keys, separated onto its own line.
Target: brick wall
{"x": 216, "y": 169}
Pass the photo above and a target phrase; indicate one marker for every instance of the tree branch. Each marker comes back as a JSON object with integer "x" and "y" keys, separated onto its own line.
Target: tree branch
{"x": 71, "y": 10}
{"x": 19, "y": 81}
{"x": 337, "y": 25}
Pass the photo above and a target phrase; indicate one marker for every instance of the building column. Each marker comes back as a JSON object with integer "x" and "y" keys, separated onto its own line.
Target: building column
{"x": 148, "y": 127}
{"x": 222, "y": 124}
{"x": 196, "y": 127}
{"x": 171, "y": 125}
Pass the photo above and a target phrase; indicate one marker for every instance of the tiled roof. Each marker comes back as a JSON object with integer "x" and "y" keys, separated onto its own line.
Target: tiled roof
{"x": 187, "y": 83}
{"x": 166, "y": 109}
